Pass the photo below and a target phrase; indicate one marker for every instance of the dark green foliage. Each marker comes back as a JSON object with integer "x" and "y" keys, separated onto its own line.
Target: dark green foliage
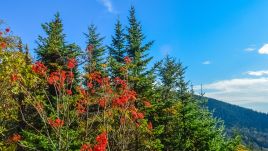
{"x": 180, "y": 120}
{"x": 136, "y": 49}
{"x": 53, "y": 50}
{"x": 135, "y": 44}
{"x": 95, "y": 58}
{"x": 250, "y": 124}
{"x": 171, "y": 75}
{"x": 188, "y": 126}
{"x": 141, "y": 79}
{"x": 27, "y": 55}
{"x": 117, "y": 50}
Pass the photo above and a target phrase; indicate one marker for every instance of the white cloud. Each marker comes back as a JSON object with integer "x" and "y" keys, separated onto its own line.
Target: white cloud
{"x": 207, "y": 62}
{"x": 264, "y": 49}
{"x": 238, "y": 91}
{"x": 257, "y": 73}
{"x": 108, "y": 5}
{"x": 250, "y": 49}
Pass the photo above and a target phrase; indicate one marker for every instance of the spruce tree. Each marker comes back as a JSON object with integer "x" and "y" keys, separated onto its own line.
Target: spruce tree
{"x": 169, "y": 71}
{"x": 96, "y": 50}
{"x": 167, "y": 110}
{"x": 140, "y": 78}
{"x": 53, "y": 50}
{"x": 20, "y": 45}
{"x": 188, "y": 125}
{"x": 137, "y": 50}
{"x": 117, "y": 50}
{"x": 27, "y": 55}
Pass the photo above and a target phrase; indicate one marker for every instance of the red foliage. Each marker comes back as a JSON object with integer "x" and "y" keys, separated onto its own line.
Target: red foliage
{"x": 56, "y": 123}
{"x": 121, "y": 82}
{"x": 106, "y": 81}
{"x": 53, "y": 78}
{"x": 147, "y": 104}
{"x": 90, "y": 85}
{"x": 96, "y": 76}
{"x": 69, "y": 92}
{"x": 102, "y": 142}
{"x": 81, "y": 106}
{"x": 71, "y": 63}
{"x": 101, "y": 145}
{"x": 7, "y": 30}
{"x": 135, "y": 114}
{"x": 3, "y": 45}
{"x": 102, "y": 102}
{"x": 124, "y": 98}
{"x": 57, "y": 78}
{"x": 14, "y": 77}
{"x": 86, "y": 147}
{"x": 92, "y": 91}
{"x": 39, "y": 68}
{"x": 70, "y": 74}
{"x": 82, "y": 91}
{"x": 150, "y": 125}
{"x": 127, "y": 60}
{"x": 15, "y": 138}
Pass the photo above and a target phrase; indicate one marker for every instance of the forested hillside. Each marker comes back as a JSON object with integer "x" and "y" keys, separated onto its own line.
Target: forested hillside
{"x": 252, "y": 125}
{"x": 100, "y": 96}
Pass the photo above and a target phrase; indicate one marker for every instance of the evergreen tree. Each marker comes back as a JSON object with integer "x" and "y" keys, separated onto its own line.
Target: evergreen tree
{"x": 169, "y": 71}
{"x": 117, "y": 50}
{"x": 20, "y": 45}
{"x": 53, "y": 50}
{"x": 140, "y": 78}
{"x": 137, "y": 51}
{"x": 188, "y": 126}
{"x": 168, "y": 108}
{"x": 27, "y": 55}
{"x": 95, "y": 49}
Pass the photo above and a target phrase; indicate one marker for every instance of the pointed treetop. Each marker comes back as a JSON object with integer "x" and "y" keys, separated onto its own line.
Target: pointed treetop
{"x": 117, "y": 48}
{"x": 97, "y": 50}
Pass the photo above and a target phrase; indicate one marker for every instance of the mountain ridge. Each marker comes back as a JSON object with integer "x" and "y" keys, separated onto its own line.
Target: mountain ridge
{"x": 252, "y": 125}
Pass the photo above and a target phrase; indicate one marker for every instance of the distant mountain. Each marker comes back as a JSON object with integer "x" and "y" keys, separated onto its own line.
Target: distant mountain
{"x": 252, "y": 125}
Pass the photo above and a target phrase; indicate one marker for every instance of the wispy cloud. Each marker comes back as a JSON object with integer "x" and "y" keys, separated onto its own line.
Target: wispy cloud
{"x": 207, "y": 62}
{"x": 257, "y": 73}
{"x": 238, "y": 91}
{"x": 263, "y": 49}
{"x": 108, "y": 4}
{"x": 250, "y": 49}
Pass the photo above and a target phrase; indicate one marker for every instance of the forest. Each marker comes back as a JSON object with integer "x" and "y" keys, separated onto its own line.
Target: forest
{"x": 101, "y": 97}
{"x": 249, "y": 124}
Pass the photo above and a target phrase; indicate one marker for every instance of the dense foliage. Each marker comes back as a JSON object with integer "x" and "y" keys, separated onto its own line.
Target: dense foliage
{"x": 115, "y": 102}
{"x": 251, "y": 125}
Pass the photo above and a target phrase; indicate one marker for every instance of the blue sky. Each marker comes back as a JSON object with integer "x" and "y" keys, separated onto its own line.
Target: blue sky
{"x": 223, "y": 42}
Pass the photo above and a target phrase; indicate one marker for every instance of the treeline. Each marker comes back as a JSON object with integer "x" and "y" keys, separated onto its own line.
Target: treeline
{"x": 251, "y": 125}
{"x": 105, "y": 97}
